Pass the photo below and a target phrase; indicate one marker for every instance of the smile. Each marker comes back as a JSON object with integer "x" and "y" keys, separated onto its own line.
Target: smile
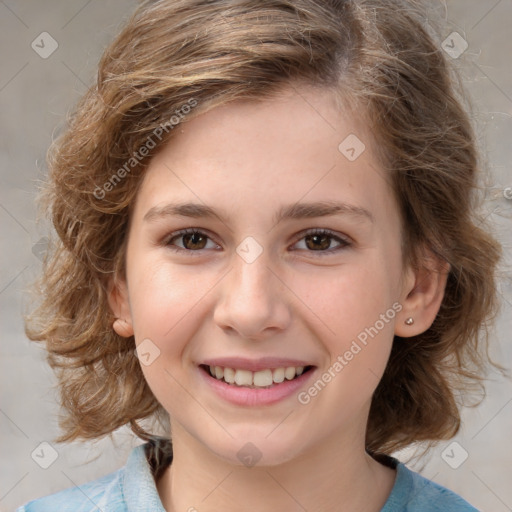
{"x": 264, "y": 384}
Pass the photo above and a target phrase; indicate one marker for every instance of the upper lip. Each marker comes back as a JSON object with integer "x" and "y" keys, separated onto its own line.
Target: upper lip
{"x": 254, "y": 365}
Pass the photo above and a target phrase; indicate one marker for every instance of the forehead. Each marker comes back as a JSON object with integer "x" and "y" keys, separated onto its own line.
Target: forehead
{"x": 247, "y": 155}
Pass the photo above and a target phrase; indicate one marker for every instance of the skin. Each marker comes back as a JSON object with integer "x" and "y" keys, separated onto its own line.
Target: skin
{"x": 246, "y": 160}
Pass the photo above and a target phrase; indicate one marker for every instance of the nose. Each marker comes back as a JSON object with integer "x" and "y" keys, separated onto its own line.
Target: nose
{"x": 253, "y": 301}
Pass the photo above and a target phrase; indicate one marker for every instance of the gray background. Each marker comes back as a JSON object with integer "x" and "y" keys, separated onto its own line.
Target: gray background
{"x": 36, "y": 93}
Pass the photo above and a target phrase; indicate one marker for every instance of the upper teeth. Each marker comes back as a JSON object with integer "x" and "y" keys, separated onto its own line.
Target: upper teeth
{"x": 262, "y": 378}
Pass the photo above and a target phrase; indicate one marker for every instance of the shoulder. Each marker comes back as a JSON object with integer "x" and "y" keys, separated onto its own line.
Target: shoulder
{"x": 132, "y": 487}
{"x": 413, "y": 492}
{"x": 104, "y": 494}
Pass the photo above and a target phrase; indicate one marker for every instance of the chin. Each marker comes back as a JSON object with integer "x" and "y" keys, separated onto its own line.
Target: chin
{"x": 256, "y": 449}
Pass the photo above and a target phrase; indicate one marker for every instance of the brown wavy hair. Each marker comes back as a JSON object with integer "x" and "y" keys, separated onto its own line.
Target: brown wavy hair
{"x": 382, "y": 61}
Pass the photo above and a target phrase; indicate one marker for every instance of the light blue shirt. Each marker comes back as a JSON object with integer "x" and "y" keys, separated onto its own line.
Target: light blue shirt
{"x": 133, "y": 489}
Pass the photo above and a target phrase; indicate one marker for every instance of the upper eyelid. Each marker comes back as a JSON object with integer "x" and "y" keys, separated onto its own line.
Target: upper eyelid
{"x": 187, "y": 231}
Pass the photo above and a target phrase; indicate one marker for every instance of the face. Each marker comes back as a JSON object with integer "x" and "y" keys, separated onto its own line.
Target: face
{"x": 291, "y": 258}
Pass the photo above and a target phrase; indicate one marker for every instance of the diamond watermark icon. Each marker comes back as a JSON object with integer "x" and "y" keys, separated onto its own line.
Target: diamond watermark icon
{"x": 44, "y": 45}
{"x": 147, "y": 352}
{"x": 454, "y": 455}
{"x": 352, "y": 147}
{"x": 40, "y": 247}
{"x": 44, "y": 455}
{"x": 454, "y": 45}
{"x": 249, "y": 250}
{"x": 249, "y": 455}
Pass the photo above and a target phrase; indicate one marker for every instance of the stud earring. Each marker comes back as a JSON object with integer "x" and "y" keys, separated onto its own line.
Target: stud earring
{"x": 409, "y": 321}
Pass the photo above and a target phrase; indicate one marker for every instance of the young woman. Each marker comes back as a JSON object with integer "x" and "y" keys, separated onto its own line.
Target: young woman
{"x": 266, "y": 236}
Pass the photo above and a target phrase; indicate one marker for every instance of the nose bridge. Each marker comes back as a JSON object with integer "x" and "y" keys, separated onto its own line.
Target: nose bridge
{"x": 251, "y": 283}
{"x": 252, "y": 299}
{"x": 252, "y": 278}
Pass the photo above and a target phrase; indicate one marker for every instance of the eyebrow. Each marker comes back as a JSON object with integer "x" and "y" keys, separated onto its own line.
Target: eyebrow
{"x": 292, "y": 211}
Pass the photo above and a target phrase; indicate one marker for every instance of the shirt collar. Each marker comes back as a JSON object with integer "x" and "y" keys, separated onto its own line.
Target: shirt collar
{"x": 138, "y": 483}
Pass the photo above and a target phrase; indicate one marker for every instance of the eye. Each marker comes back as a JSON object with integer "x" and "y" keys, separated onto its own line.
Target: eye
{"x": 192, "y": 240}
{"x": 315, "y": 240}
{"x": 321, "y": 240}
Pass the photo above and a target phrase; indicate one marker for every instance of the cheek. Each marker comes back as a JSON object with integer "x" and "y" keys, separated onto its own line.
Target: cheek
{"x": 357, "y": 309}
{"x": 163, "y": 297}
{"x": 350, "y": 299}
{"x": 164, "y": 303}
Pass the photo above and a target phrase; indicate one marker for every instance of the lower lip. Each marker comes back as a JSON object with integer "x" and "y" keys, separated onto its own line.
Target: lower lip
{"x": 241, "y": 395}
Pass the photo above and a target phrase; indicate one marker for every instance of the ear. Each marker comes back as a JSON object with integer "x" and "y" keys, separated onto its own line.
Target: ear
{"x": 120, "y": 306}
{"x": 422, "y": 295}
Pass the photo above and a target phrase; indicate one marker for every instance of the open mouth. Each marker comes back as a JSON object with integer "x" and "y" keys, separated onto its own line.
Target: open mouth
{"x": 262, "y": 379}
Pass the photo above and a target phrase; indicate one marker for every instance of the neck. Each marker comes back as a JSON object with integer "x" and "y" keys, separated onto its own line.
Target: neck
{"x": 319, "y": 479}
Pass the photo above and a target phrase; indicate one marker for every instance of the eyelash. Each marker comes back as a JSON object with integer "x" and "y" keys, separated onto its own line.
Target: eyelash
{"x": 344, "y": 242}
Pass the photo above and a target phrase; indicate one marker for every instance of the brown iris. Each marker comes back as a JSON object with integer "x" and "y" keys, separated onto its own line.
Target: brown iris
{"x": 197, "y": 240}
{"x": 319, "y": 241}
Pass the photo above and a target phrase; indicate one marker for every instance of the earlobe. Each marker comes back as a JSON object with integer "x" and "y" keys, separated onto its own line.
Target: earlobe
{"x": 423, "y": 296}
{"x": 123, "y": 328}
{"x": 120, "y": 306}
